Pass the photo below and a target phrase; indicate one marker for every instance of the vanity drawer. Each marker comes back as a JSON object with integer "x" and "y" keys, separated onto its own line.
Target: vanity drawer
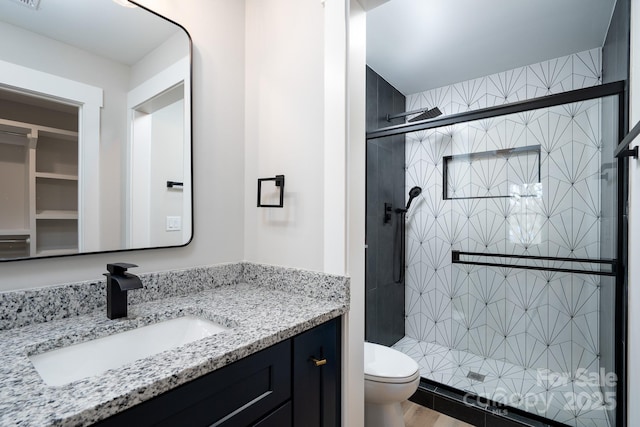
{"x": 281, "y": 417}
{"x": 236, "y": 395}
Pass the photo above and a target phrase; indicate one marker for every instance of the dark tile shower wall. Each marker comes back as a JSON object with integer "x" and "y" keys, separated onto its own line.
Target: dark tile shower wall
{"x": 384, "y": 300}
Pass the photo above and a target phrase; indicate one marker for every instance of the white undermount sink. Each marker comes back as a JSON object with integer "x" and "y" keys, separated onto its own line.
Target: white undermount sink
{"x": 78, "y": 361}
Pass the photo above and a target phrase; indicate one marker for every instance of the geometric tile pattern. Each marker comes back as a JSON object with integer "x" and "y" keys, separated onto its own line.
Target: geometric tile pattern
{"x": 578, "y": 403}
{"x": 532, "y": 318}
{"x": 526, "y": 320}
{"x": 557, "y": 75}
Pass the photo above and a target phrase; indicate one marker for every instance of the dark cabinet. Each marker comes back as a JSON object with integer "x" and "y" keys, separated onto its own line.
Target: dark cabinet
{"x": 293, "y": 383}
{"x": 236, "y": 395}
{"x": 281, "y": 417}
{"x": 316, "y": 377}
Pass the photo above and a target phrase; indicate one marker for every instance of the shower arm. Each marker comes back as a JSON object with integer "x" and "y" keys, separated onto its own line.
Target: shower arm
{"x": 406, "y": 113}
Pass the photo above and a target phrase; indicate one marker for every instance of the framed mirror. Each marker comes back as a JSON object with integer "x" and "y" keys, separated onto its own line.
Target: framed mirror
{"x": 95, "y": 129}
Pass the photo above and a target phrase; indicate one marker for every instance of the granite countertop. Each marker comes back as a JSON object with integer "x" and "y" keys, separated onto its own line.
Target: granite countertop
{"x": 258, "y": 316}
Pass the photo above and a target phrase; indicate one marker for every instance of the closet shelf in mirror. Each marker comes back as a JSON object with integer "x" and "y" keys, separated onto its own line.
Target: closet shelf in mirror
{"x": 13, "y": 139}
{"x": 59, "y": 134}
{"x": 13, "y": 134}
{"x": 56, "y": 252}
{"x": 20, "y": 131}
{"x": 56, "y": 214}
{"x": 49, "y": 175}
{"x": 15, "y": 232}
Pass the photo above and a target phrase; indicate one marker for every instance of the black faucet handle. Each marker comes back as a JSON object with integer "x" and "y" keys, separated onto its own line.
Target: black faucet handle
{"x": 119, "y": 268}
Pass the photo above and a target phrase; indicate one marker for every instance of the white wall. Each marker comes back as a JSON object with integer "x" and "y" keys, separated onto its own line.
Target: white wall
{"x": 284, "y": 130}
{"x": 356, "y": 164}
{"x": 296, "y": 125}
{"x": 633, "y": 355}
{"x": 169, "y": 52}
{"x": 166, "y": 165}
{"x": 335, "y": 136}
{"x": 32, "y": 50}
{"x": 217, "y": 29}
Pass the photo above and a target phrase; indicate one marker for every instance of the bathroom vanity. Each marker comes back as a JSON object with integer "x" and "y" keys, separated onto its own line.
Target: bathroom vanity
{"x": 294, "y": 382}
{"x": 275, "y": 362}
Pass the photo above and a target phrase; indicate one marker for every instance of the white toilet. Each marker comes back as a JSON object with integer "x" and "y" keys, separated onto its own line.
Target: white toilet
{"x": 390, "y": 377}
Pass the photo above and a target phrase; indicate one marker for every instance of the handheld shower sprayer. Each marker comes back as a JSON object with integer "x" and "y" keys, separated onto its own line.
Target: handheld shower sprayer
{"x": 413, "y": 193}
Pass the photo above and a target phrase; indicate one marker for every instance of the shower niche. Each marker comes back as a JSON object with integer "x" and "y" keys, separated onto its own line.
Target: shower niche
{"x": 487, "y": 174}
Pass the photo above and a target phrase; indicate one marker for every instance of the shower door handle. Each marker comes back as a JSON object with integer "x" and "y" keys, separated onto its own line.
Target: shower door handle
{"x": 456, "y": 258}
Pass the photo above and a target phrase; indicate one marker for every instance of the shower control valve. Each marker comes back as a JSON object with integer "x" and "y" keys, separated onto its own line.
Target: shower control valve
{"x": 388, "y": 208}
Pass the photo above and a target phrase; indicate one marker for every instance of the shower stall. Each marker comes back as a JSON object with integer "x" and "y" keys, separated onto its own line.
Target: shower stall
{"x": 513, "y": 291}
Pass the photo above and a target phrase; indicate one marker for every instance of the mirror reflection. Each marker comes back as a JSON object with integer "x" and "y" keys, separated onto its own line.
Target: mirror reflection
{"x": 95, "y": 128}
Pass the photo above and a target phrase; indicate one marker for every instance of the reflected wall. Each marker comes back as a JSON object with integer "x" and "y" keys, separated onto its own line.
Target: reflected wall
{"x": 159, "y": 45}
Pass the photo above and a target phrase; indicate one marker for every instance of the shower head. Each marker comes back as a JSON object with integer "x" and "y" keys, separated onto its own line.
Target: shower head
{"x": 429, "y": 114}
{"x": 413, "y": 193}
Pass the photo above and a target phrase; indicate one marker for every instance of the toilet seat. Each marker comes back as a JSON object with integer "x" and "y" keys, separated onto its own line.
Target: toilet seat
{"x": 386, "y": 365}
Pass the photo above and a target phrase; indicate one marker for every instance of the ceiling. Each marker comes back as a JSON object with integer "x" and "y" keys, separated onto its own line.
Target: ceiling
{"x": 103, "y": 27}
{"x": 418, "y": 45}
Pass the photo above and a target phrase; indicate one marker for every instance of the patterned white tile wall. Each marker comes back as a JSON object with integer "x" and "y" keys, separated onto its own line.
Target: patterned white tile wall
{"x": 558, "y": 75}
{"x": 529, "y": 318}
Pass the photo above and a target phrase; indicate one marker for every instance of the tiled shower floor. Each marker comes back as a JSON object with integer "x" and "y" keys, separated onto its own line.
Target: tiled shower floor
{"x": 578, "y": 403}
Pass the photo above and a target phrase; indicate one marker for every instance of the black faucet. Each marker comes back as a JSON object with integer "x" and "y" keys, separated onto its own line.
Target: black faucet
{"x": 118, "y": 283}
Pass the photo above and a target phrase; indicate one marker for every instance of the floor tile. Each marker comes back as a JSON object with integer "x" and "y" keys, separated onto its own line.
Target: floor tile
{"x": 538, "y": 391}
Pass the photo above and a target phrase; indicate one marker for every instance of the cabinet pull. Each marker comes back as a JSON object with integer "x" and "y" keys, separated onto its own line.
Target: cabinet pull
{"x": 319, "y": 362}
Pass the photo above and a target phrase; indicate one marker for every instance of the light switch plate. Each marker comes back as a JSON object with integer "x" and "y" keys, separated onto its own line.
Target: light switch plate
{"x": 174, "y": 223}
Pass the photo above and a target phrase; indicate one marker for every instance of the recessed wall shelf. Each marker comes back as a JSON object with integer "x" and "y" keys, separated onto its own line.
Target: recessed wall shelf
{"x": 490, "y": 174}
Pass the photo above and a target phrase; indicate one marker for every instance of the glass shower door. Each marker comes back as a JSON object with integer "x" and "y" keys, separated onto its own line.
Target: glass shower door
{"x": 511, "y": 268}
